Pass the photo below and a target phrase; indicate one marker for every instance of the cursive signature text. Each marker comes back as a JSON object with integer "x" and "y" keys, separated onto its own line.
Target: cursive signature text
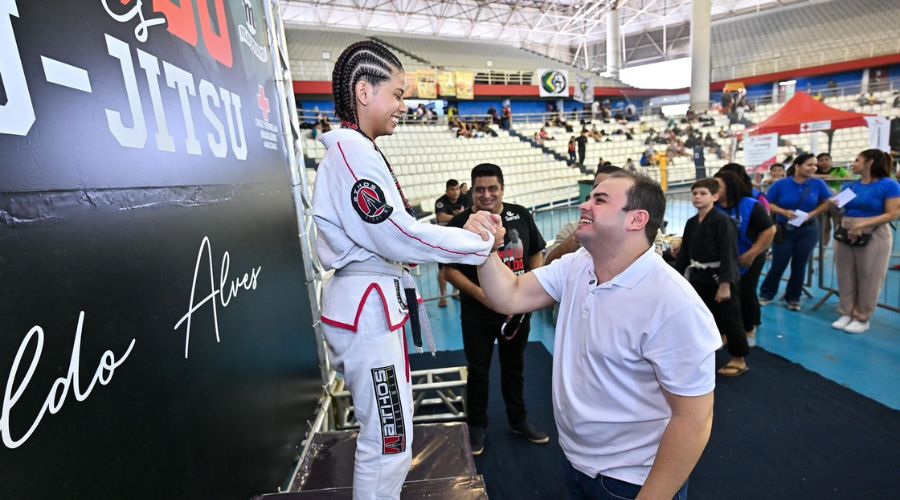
{"x": 246, "y": 282}
{"x": 60, "y": 389}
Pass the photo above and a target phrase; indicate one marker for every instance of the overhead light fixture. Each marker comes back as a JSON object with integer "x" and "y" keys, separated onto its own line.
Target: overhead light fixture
{"x": 789, "y": 82}
{"x": 489, "y": 63}
{"x": 326, "y": 55}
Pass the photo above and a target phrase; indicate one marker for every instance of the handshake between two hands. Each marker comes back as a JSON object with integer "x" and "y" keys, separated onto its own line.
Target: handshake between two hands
{"x": 487, "y": 224}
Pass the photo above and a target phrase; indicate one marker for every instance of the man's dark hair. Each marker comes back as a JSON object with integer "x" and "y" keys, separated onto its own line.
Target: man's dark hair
{"x": 777, "y": 165}
{"x": 608, "y": 169}
{"x": 645, "y": 194}
{"x": 710, "y": 185}
{"x": 452, "y": 183}
{"x": 823, "y": 155}
{"x": 487, "y": 170}
{"x": 366, "y": 60}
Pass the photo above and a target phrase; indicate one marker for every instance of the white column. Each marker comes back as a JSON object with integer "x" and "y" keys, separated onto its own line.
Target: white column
{"x": 613, "y": 42}
{"x": 701, "y": 35}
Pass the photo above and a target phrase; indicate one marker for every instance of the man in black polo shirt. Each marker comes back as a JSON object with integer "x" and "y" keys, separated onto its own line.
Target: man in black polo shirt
{"x": 522, "y": 251}
{"x": 445, "y": 208}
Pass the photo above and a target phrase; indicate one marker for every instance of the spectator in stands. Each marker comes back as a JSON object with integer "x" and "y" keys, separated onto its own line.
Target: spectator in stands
{"x": 787, "y": 197}
{"x": 708, "y": 260}
{"x": 776, "y": 173}
{"x": 521, "y": 252}
{"x": 632, "y": 390}
{"x": 506, "y": 120}
{"x": 545, "y": 136}
{"x": 466, "y": 193}
{"x": 565, "y": 241}
{"x": 581, "y": 140}
{"x": 446, "y": 207}
{"x": 833, "y": 89}
{"x": 896, "y": 103}
{"x": 755, "y": 232}
{"x": 492, "y": 114}
{"x": 571, "y": 150}
{"x": 864, "y": 242}
{"x": 646, "y": 159}
{"x": 629, "y": 165}
{"x": 631, "y": 114}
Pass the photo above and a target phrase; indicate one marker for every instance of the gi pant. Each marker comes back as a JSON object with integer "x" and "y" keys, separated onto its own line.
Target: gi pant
{"x": 374, "y": 363}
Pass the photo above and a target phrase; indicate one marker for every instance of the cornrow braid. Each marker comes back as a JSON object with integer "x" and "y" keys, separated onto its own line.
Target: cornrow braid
{"x": 365, "y": 60}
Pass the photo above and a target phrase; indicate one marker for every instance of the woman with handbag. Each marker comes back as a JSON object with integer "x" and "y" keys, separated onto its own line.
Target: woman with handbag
{"x": 800, "y": 192}
{"x": 864, "y": 240}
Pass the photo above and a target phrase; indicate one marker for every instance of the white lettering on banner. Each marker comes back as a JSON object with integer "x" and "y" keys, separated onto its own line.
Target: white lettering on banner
{"x": 17, "y": 115}
{"x": 140, "y": 31}
{"x": 218, "y": 146}
{"x": 182, "y": 82}
{"x": 246, "y": 282}
{"x": 150, "y": 65}
{"x": 60, "y": 388}
{"x": 136, "y": 136}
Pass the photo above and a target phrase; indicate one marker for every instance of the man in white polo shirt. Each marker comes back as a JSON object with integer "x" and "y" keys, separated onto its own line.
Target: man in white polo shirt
{"x": 634, "y": 354}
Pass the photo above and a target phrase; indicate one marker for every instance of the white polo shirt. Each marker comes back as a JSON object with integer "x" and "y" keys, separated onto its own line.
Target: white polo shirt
{"x": 617, "y": 344}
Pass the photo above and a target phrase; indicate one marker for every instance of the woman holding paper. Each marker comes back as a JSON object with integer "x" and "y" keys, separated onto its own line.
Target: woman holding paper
{"x": 795, "y": 201}
{"x": 862, "y": 252}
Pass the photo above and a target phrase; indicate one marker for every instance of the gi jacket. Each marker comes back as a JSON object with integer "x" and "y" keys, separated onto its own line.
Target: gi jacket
{"x": 361, "y": 218}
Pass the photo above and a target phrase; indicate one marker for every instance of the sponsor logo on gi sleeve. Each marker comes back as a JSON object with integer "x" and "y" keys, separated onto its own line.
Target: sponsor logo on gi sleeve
{"x": 390, "y": 413}
{"x": 369, "y": 202}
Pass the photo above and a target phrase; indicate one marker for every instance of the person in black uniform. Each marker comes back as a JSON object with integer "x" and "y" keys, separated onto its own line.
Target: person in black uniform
{"x": 582, "y": 146}
{"x": 708, "y": 259}
{"x": 445, "y": 208}
{"x": 522, "y": 251}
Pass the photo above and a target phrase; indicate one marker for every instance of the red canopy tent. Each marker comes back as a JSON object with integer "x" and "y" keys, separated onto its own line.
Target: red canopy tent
{"x": 805, "y": 114}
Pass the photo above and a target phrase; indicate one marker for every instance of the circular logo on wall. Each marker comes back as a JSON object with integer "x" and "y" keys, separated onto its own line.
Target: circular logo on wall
{"x": 554, "y": 82}
{"x": 369, "y": 202}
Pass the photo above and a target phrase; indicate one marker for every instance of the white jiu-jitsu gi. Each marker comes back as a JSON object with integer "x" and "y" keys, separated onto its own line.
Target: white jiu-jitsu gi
{"x": 366, "y": 234}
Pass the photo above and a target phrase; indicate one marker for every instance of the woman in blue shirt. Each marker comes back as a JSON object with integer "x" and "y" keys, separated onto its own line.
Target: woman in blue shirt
{"x": 799, "y": 192}
{"x": 861, "y": 270}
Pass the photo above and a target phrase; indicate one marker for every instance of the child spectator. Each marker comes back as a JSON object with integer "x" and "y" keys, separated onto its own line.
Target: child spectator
{"x": 708, "y": 260}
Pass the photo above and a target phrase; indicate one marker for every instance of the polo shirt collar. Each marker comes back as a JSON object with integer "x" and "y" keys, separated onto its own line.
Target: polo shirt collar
{"x": 633, "y": 274}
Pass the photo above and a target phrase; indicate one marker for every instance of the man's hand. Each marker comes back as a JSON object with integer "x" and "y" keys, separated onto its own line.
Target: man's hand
{"x": 485, "y": 224}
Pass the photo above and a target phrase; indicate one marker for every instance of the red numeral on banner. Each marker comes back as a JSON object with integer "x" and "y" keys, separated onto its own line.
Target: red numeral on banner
{"x": 180, "y": 18}
{"x": 182, "y": 24}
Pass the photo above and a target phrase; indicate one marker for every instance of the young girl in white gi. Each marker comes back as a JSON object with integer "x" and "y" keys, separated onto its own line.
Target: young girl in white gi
{"x": 367, "y": 233}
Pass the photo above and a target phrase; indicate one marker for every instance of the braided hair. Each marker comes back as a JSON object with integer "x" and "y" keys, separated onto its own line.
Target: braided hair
{"x": 365, "y": 60}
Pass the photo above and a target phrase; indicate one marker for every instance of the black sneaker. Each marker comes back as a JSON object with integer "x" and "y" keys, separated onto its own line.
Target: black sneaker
{"x": 529, "y": 432}
{"x": 476, "y": 440}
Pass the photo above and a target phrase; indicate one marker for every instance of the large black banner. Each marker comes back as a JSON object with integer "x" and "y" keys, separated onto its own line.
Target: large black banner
{"x": 154, "y": 321}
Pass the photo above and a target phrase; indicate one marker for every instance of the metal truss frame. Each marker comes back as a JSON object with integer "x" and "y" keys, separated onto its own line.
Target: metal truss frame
{"x": 439, "y": 395}
{"x": 571, "y": 30}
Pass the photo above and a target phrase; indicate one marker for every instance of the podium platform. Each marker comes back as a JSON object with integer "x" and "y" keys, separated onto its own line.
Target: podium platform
{"x": 442, "y": 467}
